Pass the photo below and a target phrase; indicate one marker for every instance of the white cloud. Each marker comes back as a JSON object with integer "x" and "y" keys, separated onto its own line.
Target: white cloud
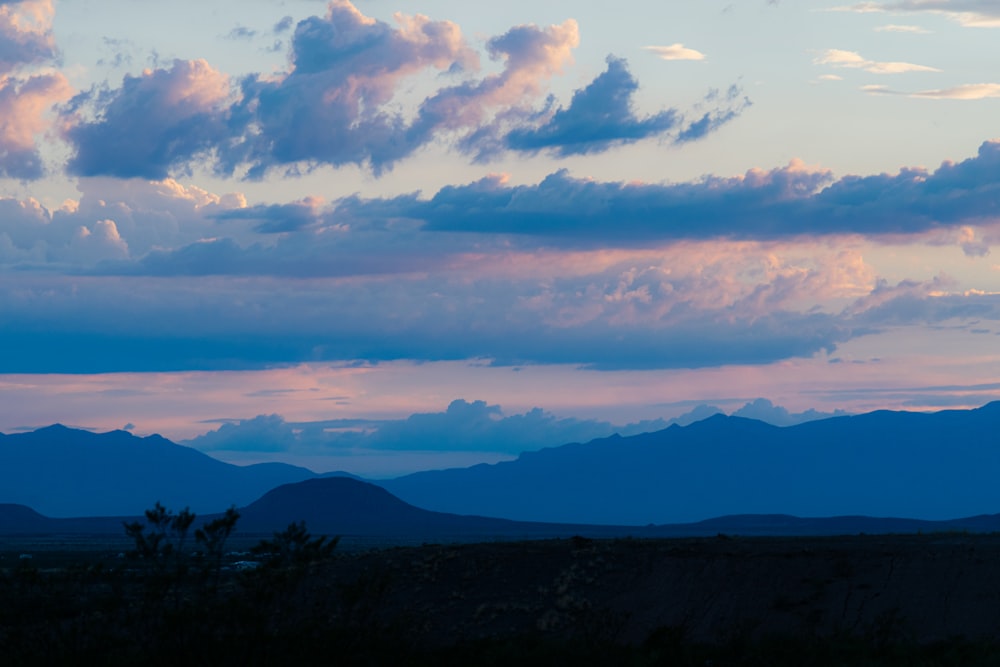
{"x": 854, "y": 60}
{"x": 676, "y": 52}
{"x": 912, "y": 29}
{"x": 969, "y": 13}
{"x": 969, "y": 91}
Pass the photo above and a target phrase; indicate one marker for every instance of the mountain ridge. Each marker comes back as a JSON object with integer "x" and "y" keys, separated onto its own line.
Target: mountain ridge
{"x": 942, "y": 464}
{"x": 885, "y": 463}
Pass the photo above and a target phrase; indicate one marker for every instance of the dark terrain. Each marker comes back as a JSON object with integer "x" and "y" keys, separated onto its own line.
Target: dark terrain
{"x": 860, "y": 600}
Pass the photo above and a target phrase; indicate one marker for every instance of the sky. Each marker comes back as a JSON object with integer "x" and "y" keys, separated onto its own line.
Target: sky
{"x": 389, "y": 236}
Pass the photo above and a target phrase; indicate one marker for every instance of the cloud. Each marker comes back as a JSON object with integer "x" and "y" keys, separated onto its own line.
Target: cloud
{"x": 971, "y": 91}
{"x": 340, "y": 103}
{"x": 170, "y": 229}
{"x": 675, "y": 52}
{"x": 695, "y": 307}
{"x": 331, "y": 108}
{"x": 853, "y": 60}
{"x": 278, "y": 218}
{"x": 283, "y": 25}
{"x": 469, "y": 426}
{"x": 145, "y": 215}
{"x": 26, "y": 39}
{"x": 26, "y": 36}
{"x": 764, "y": 410}
{"x": 787, "y": 202}
{"x": 911, "y": 29}
{"x": 969, "y": 13}
{"x": 599, "y": 116}
{"x": 23, "y": 104}
{"x": 241, "y": 32}
{"x": 154, "y": 122}
{"x": 482, "y": 109}
{"x": 729, "y": 108}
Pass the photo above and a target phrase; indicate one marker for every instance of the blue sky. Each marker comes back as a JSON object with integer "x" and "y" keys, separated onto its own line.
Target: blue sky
{"x": 268, "y": 216}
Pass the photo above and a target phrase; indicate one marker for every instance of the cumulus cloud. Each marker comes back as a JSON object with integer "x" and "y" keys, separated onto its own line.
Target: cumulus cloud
{"x": 764, "y": 410}
{"x": 675, "y": 52}
{"x": 340, "y": 103}
{"x": 129, "y": 217}
{"x": 26, "y": 39}
{"x": 153, "y": 123}
{"x": 23, "y": 105}
{"x": 26, "y": 34}
{"x": 853, "y": 60}
{"x": 969, "y": 13}
{"x": 331, "y": 108}
{"x": 471, "y": 426}
{"x": 927, "y": 302}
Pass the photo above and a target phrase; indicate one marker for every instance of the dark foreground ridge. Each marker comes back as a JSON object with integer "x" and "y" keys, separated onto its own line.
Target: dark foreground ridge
{"x": 866, "y": 600}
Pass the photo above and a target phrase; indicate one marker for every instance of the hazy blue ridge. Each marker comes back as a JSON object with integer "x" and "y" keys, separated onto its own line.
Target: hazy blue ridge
{"x": 930, "y": 466}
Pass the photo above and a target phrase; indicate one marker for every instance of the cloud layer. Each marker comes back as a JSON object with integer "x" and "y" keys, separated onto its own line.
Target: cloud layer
{"x": 339, "y": 104}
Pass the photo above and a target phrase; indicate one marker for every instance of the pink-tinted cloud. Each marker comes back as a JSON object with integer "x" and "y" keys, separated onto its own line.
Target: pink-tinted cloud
{"x": 26, "y": 34}
{"x": 339, "y": 103}
{"x": 331, "y": 107}
{"x": 144, "y": 215}
{"x": 854, "y": 60}
{"x": 23, "y": 107}
{"x": 154, "y": 122}
{"x": 26, "y": 39}
{"x": 969, "y": 91}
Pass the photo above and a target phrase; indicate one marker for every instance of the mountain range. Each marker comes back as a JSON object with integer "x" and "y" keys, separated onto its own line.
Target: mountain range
{"x": 908, "y": 464}
{"x": 64, "y": 472}
{"x": 930, "y": 466}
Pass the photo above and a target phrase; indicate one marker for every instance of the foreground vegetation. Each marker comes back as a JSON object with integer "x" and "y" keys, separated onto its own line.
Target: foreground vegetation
{"x": 180, "y": 597}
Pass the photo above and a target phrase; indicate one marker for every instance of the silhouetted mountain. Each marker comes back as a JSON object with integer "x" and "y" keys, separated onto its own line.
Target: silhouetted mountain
{"x": 350, "y": 508}
{"x": 929, "y": 466}
{"x": 62, "y": 472}
{"x": 345, "y": 506}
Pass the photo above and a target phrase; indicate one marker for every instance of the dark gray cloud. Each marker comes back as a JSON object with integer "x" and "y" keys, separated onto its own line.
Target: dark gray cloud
{"x": 599, "y": 116}
{"x": 108, "y": 324}
{"x": 782, "y": 203}
{"x": 276, "y": 218}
